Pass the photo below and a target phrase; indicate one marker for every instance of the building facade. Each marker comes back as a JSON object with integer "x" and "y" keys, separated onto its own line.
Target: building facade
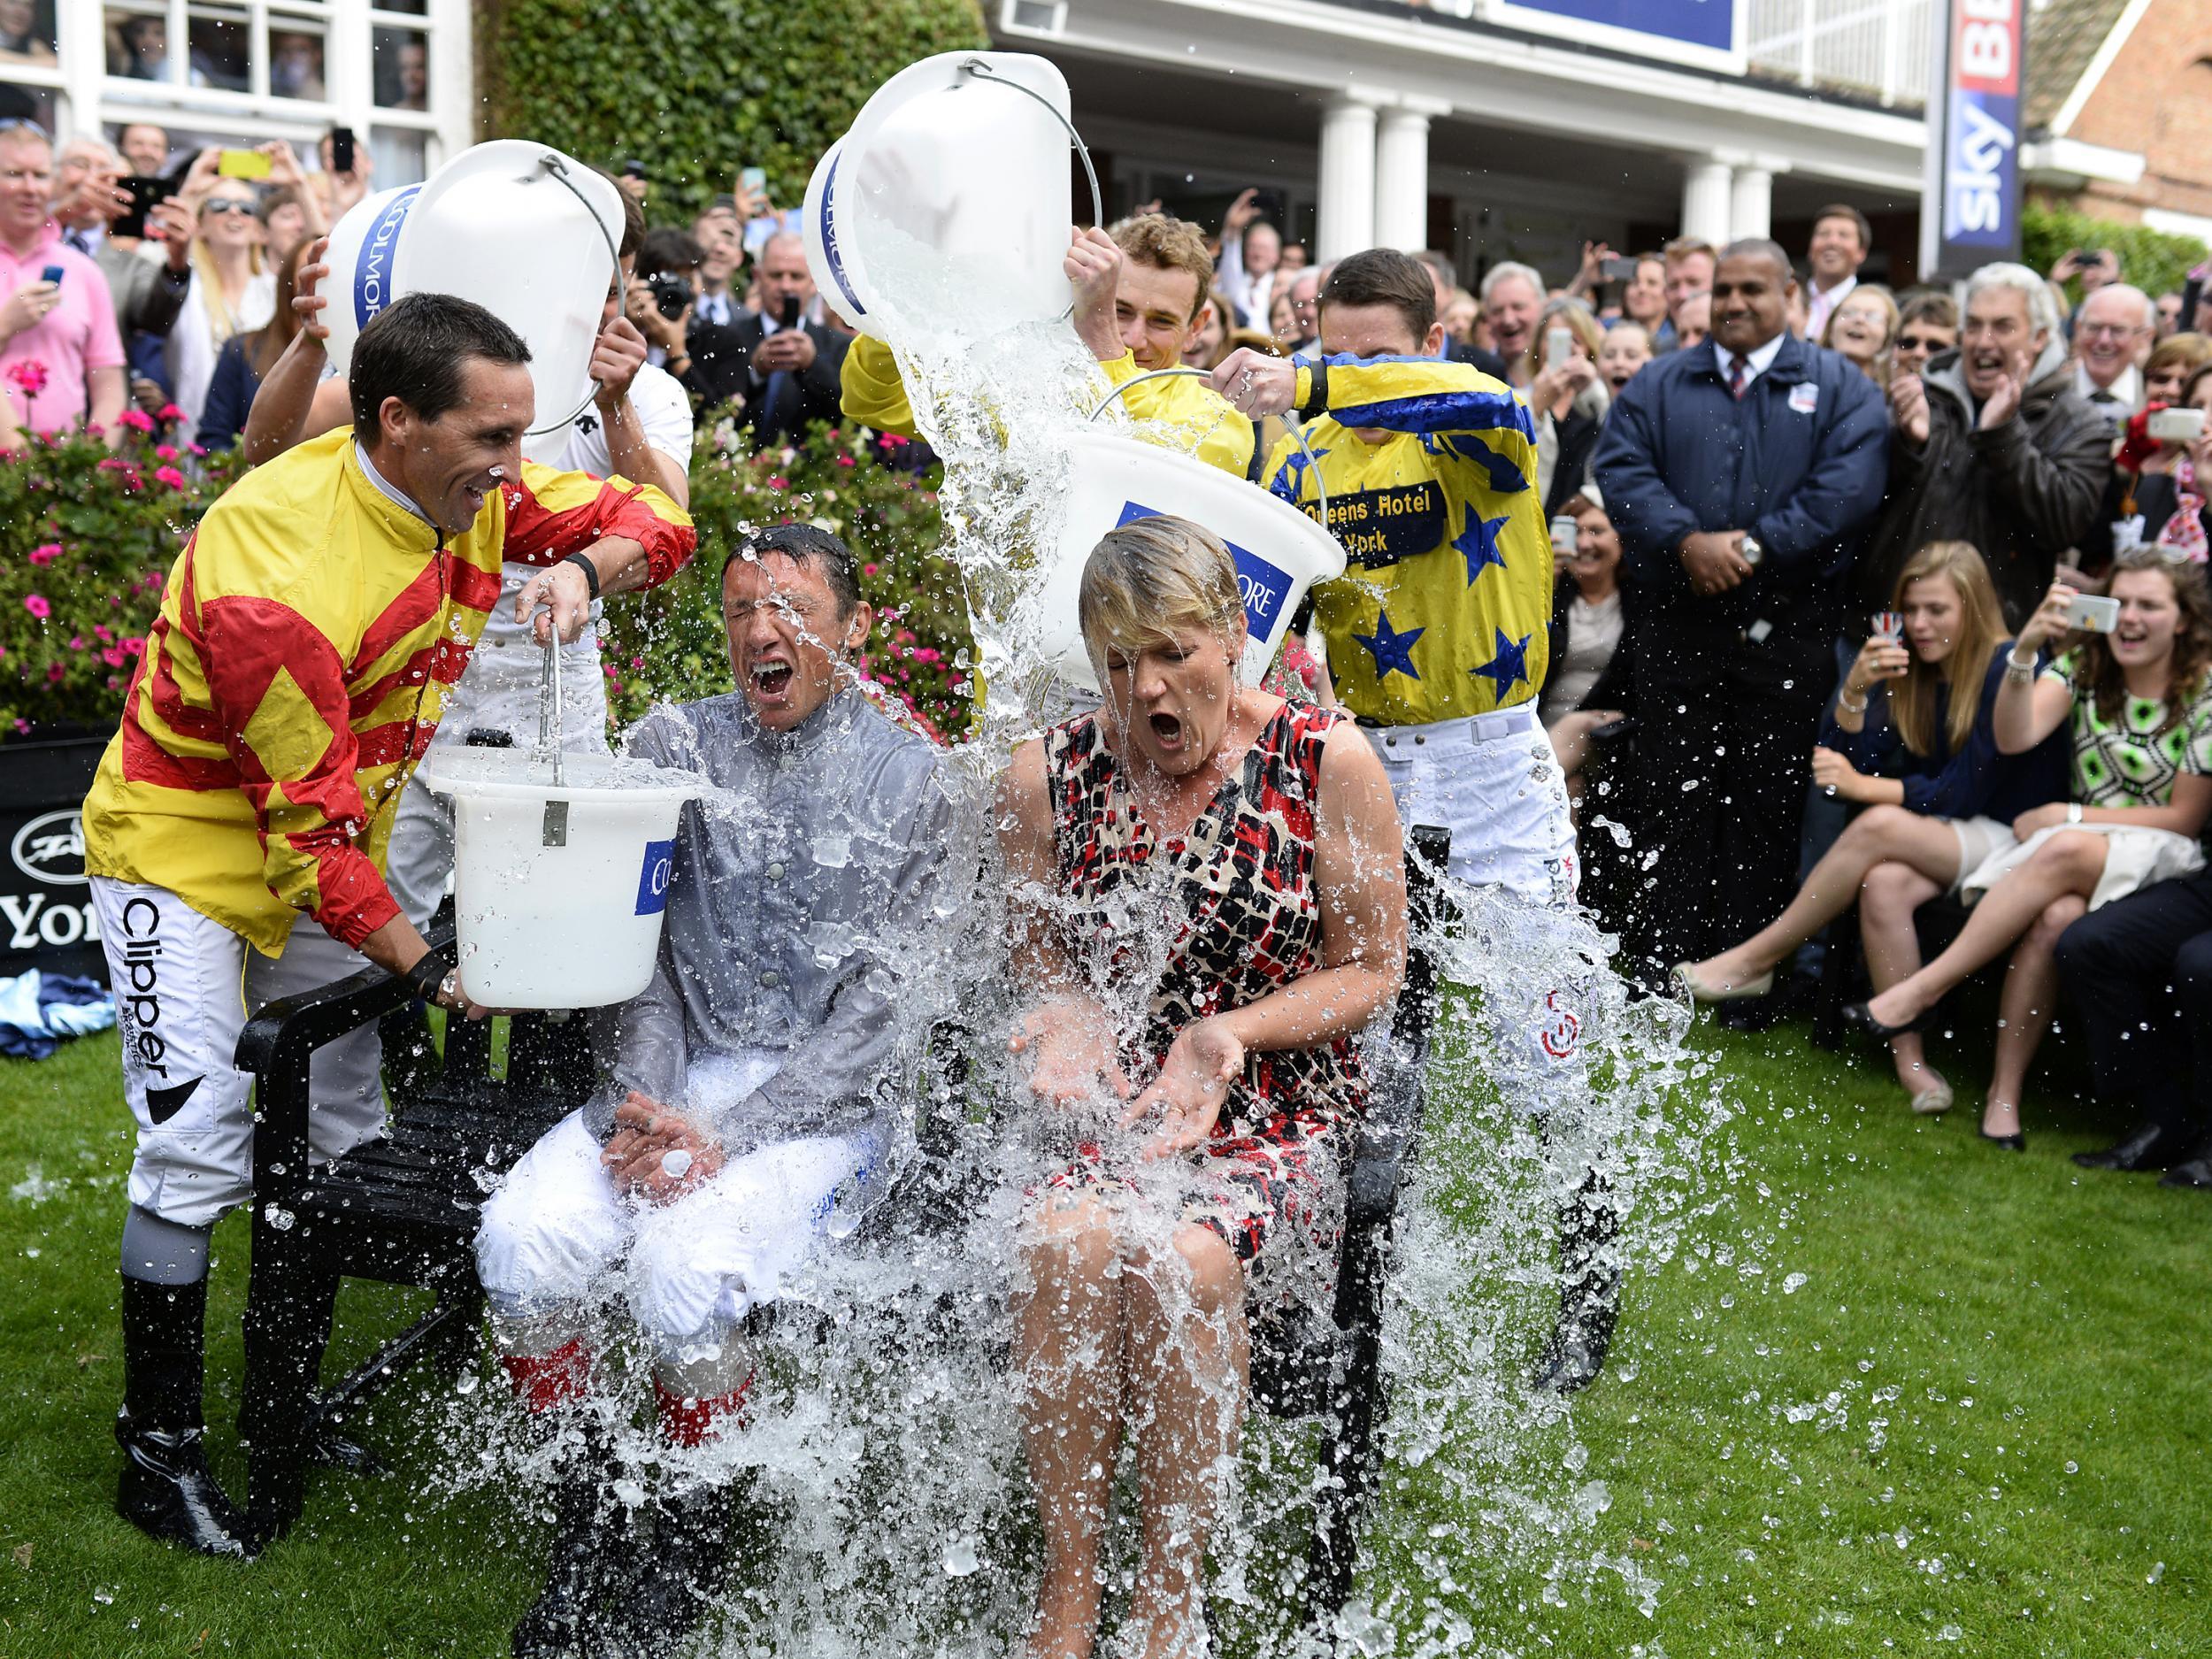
{"x": 1502, "y": 128}
{"x": 238, "y": 72}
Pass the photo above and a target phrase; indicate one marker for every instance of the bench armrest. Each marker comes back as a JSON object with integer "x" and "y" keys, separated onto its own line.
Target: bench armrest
{"x": 278, "y": 1049}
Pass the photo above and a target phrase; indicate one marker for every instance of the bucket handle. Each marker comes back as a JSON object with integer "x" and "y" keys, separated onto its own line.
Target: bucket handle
{"x": 559, "y": 174}
{"x": 977, "y": 66}
{"x": 1313, "y": 465}
{"x": 549, "y": 724}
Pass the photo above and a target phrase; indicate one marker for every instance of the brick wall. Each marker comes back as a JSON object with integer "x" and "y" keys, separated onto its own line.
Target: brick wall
{"x": 2156, "y": 101}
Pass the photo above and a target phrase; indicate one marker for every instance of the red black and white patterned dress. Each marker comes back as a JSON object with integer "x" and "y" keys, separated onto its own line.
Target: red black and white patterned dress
{"x": 1216, "y": 919}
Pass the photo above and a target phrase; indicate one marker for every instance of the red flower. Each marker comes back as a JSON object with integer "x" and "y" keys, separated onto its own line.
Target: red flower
{"x": 170, "y": 411}
{"x": 55, "y": 673}
{"x": 136, "y": 420}
{"x": 28, "y": 376}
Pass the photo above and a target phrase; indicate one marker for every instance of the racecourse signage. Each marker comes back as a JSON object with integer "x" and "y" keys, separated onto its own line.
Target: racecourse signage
{"x": 1969, "y": 211}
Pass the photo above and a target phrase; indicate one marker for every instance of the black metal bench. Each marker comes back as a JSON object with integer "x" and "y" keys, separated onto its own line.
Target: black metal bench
{"x": 402, "y": 1209}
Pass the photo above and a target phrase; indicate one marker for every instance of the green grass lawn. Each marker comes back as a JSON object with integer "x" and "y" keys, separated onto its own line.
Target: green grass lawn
{"x": 1978, "y": 1424}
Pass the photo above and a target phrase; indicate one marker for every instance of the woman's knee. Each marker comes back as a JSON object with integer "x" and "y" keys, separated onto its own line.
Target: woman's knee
{"x": 1890, "y": 886}
{"x": 2077, "y": 855}
{"x": 1067, "y": 1245}
{"x": 1200, "y": 1270}
{"x": 1876, "y": 826}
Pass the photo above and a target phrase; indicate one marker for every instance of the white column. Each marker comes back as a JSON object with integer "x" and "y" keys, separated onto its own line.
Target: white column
{"x": 1751, "y": 204}
{"x": 1401, "y": 180}
{"x": 1705, "y": 187}
{"x": 1347, "y": 180}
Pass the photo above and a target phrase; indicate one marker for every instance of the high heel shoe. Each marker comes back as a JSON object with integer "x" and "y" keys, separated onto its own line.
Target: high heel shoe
{"x": 2016, "y": 1141}
{"x": 1686, "y": 976}
{"x": 1861, "y": 1016}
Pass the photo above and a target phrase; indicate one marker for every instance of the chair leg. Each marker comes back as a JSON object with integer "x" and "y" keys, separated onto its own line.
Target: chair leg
{"x": 288, "y": 1304}
{"x": 1351, "y": 1469}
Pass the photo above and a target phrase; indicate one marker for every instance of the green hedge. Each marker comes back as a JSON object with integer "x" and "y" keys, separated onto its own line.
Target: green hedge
{"x": 2154, "y": 261}
{"x": 699, "y": 89}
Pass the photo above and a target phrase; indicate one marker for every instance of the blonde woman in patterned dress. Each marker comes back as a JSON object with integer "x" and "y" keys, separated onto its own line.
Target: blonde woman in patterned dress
{"x": 2138, "y": 701}
{"x": 1212, "y": 902}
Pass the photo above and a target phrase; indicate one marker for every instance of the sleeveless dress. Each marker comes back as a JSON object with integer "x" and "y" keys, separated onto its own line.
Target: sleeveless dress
{"x": 1234, "y": 902}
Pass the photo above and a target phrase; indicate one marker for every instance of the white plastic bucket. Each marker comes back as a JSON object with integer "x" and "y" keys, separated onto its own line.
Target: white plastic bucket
{"x": 496, "y": 226}
{"x": 947, "y": 204}
{"x": 558, "y": 891}
{"x": 1112, "y": 479}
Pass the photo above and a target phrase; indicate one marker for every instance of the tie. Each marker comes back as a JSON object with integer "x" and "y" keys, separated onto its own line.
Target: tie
{"x": 78, "y": 240}
{"x": 1736, "y": 380}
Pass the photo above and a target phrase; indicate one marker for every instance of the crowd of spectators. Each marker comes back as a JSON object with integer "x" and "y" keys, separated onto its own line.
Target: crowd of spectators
{"x": 1807, "y": 532}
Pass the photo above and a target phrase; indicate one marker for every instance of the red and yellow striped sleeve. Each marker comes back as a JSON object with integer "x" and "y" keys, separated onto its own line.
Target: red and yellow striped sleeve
{"x": 278, "y": 688}
{"x": 551, "y": 514}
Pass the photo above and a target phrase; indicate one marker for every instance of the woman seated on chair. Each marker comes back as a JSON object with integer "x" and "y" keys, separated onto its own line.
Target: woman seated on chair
{"x": 2138, "y": 701}
{"x": 1911, "y": 738}
{"x": 1211, "y": 902}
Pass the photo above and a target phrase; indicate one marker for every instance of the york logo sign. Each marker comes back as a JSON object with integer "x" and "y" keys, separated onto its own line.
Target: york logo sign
{"x": 1981, "y": 192}
{"x": 49, "y": 851}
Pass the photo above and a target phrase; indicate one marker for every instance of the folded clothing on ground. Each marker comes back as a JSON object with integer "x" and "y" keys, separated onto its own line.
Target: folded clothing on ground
{"x": 38, "y": 1010}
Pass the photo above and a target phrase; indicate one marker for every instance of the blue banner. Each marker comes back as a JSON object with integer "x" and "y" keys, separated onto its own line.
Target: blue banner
{"x": 1981, "y": 134}
{"x": 1708, "y": 23}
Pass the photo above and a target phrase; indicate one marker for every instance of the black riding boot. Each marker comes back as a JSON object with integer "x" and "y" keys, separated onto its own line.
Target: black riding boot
{"x": 1589, "y": 1289}
{"x": 590, "y": 1555}
{"x": 166, "y": 1489}
{"x": 694, "y": 1553}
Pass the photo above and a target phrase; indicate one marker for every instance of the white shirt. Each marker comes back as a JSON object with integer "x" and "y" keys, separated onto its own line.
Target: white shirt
{"x": 389, "y": 490}
{"x": 1820, "y": 305}
{"x": 193, "y": 346}
{"x": 1757, "y": 364}
{"x": 715, "y": 308}
{"x": 2119, "y": 400}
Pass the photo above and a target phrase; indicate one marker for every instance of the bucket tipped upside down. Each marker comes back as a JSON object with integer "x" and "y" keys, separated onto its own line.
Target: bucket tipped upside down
{"x": 528, "y": 233}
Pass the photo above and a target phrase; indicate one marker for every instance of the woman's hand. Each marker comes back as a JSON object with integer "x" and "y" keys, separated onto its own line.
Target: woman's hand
{"x": 1878, "y": 659}
{"x": 1837, "y": 775}
{"x": 658, "y": 1154}
{"x": 1565, "y": 380}
{"x": 1075, "y": 1057}
{"x": 2036, "y": 819}
{"x": 2049, "y": 621}
{"x": 1193, "y": 1084}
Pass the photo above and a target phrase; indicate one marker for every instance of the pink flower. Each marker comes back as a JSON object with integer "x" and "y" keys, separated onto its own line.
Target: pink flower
{"x": 136, "y": 420}
{"x": 170, "y": 411}
{"x": 106, "y": 634}
{"x": 165, "y": 451}
{"x": 845, "y": 460}
{"x": 30, "y": 376}
{"x": 892, "y": 441}
{"x": 55, "y": 673}
{"x": 38, "y": 605}
{"x": 47, "y": 554}
{"x": 134, "y": 646}
{"x": 780, "y": 483}
{"x": 113, "y": 657}
{"x": 76, "y": 641}
{"x": 170, "y": 476}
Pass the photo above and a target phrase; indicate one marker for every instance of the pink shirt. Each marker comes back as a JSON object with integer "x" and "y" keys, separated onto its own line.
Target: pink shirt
{"x": 78, "y": 335}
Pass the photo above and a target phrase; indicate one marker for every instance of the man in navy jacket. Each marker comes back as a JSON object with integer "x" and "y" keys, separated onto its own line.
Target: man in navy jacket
{"x": 1741, "y": 474}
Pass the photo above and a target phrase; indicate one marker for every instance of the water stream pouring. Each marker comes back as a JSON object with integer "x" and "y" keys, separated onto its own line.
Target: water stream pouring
{"x": 548, "y": 911}
{"x": 1112, "y": 479}
{"x": 941, "y": 172}
{"x": 525, "y": 231}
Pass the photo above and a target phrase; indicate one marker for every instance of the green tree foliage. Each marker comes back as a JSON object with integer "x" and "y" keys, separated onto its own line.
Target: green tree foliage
{"x": 2151, "y": 259}
{"x": 698, "y": 89}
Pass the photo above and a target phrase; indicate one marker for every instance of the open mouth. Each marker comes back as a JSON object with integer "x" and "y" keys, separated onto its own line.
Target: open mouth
{"x": 771, "y": 679}
{"x": 1167, "y": 731}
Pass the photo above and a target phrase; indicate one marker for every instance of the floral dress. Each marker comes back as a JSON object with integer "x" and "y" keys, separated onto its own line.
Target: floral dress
{"x": 1216, "y": 919}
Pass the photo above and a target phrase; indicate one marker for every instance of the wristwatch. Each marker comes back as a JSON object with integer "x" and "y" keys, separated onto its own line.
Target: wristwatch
{"x": 2073, "y": 812}
{"x": 1752, "y": 551}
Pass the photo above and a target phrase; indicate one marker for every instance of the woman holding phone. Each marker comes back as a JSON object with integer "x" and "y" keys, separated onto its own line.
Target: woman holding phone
{"x": 1567, "y": 398}
{"x": 1911, "y": 739}
{"x": 2165, "y": 465}
{"x": 2136, "y": 699}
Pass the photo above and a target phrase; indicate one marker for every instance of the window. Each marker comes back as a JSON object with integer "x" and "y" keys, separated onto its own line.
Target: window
{"x": 402, "y": 63}
{"x": 27, "y": 34}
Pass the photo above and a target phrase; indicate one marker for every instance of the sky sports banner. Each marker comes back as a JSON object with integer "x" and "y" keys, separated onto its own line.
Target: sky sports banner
{"x": 1969, "y": 211}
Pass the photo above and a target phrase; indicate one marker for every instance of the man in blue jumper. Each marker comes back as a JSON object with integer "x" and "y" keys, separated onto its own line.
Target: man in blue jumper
{"x": 1741, "y": 474}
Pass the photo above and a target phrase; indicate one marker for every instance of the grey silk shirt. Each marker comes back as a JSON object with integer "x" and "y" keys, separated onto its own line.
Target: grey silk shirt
{"x": 797, "y": 899}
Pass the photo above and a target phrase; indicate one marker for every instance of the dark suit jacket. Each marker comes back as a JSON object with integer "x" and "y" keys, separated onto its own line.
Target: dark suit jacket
{"x": 1489, "y": 362}
{"x": 147, "y": 297}
{"x": 722, "y": 361}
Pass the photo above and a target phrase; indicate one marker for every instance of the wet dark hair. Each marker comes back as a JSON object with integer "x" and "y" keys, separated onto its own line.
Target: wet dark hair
{"x": 414, "y": 349}
{"x": 1382, "y": 276}
{"x": 807, "y": 545}
{"x": 666, "y": 250}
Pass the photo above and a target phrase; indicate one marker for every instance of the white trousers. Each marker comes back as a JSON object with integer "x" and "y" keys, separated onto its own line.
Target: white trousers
{"x": 1493, "y": 782}
{"x": 693, "y": 1268}
{"x": 184, "y": 988}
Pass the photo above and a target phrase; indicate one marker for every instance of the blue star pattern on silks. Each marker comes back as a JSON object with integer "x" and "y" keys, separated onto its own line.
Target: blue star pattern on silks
{"x": 1478, "y": 544}
{"x": 1510, "y": 667}
{"x": 1392, "y": 651}
{"x": 1290, "y": 479}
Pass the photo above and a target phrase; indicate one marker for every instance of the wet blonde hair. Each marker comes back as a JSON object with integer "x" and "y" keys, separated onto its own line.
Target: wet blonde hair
{"x": 1151, "y": 579}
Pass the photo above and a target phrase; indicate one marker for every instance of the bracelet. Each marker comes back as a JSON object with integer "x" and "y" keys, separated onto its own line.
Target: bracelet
{"x": 429, "y": 975}
{"x": 2015, "y": 669}
{"x": 591, "y": 571}
{"x": 1849, "y": 707}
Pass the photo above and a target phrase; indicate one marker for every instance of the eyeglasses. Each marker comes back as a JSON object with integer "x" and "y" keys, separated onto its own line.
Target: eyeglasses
{"x": 224, "y": 204}
{"x": 1918, "y": 343}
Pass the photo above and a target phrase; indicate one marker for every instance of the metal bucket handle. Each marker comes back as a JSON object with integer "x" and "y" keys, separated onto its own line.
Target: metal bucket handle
{"x": 1313, "y": 464}
{"x": 977, "y": 66}
{"x": 553, "y": 165}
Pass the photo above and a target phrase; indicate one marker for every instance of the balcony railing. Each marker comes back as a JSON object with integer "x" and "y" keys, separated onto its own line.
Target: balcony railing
{"x": 1876, "y": 47}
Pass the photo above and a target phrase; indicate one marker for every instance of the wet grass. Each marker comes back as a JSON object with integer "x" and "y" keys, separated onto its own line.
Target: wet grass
{"x": 1978, "y": 1424}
